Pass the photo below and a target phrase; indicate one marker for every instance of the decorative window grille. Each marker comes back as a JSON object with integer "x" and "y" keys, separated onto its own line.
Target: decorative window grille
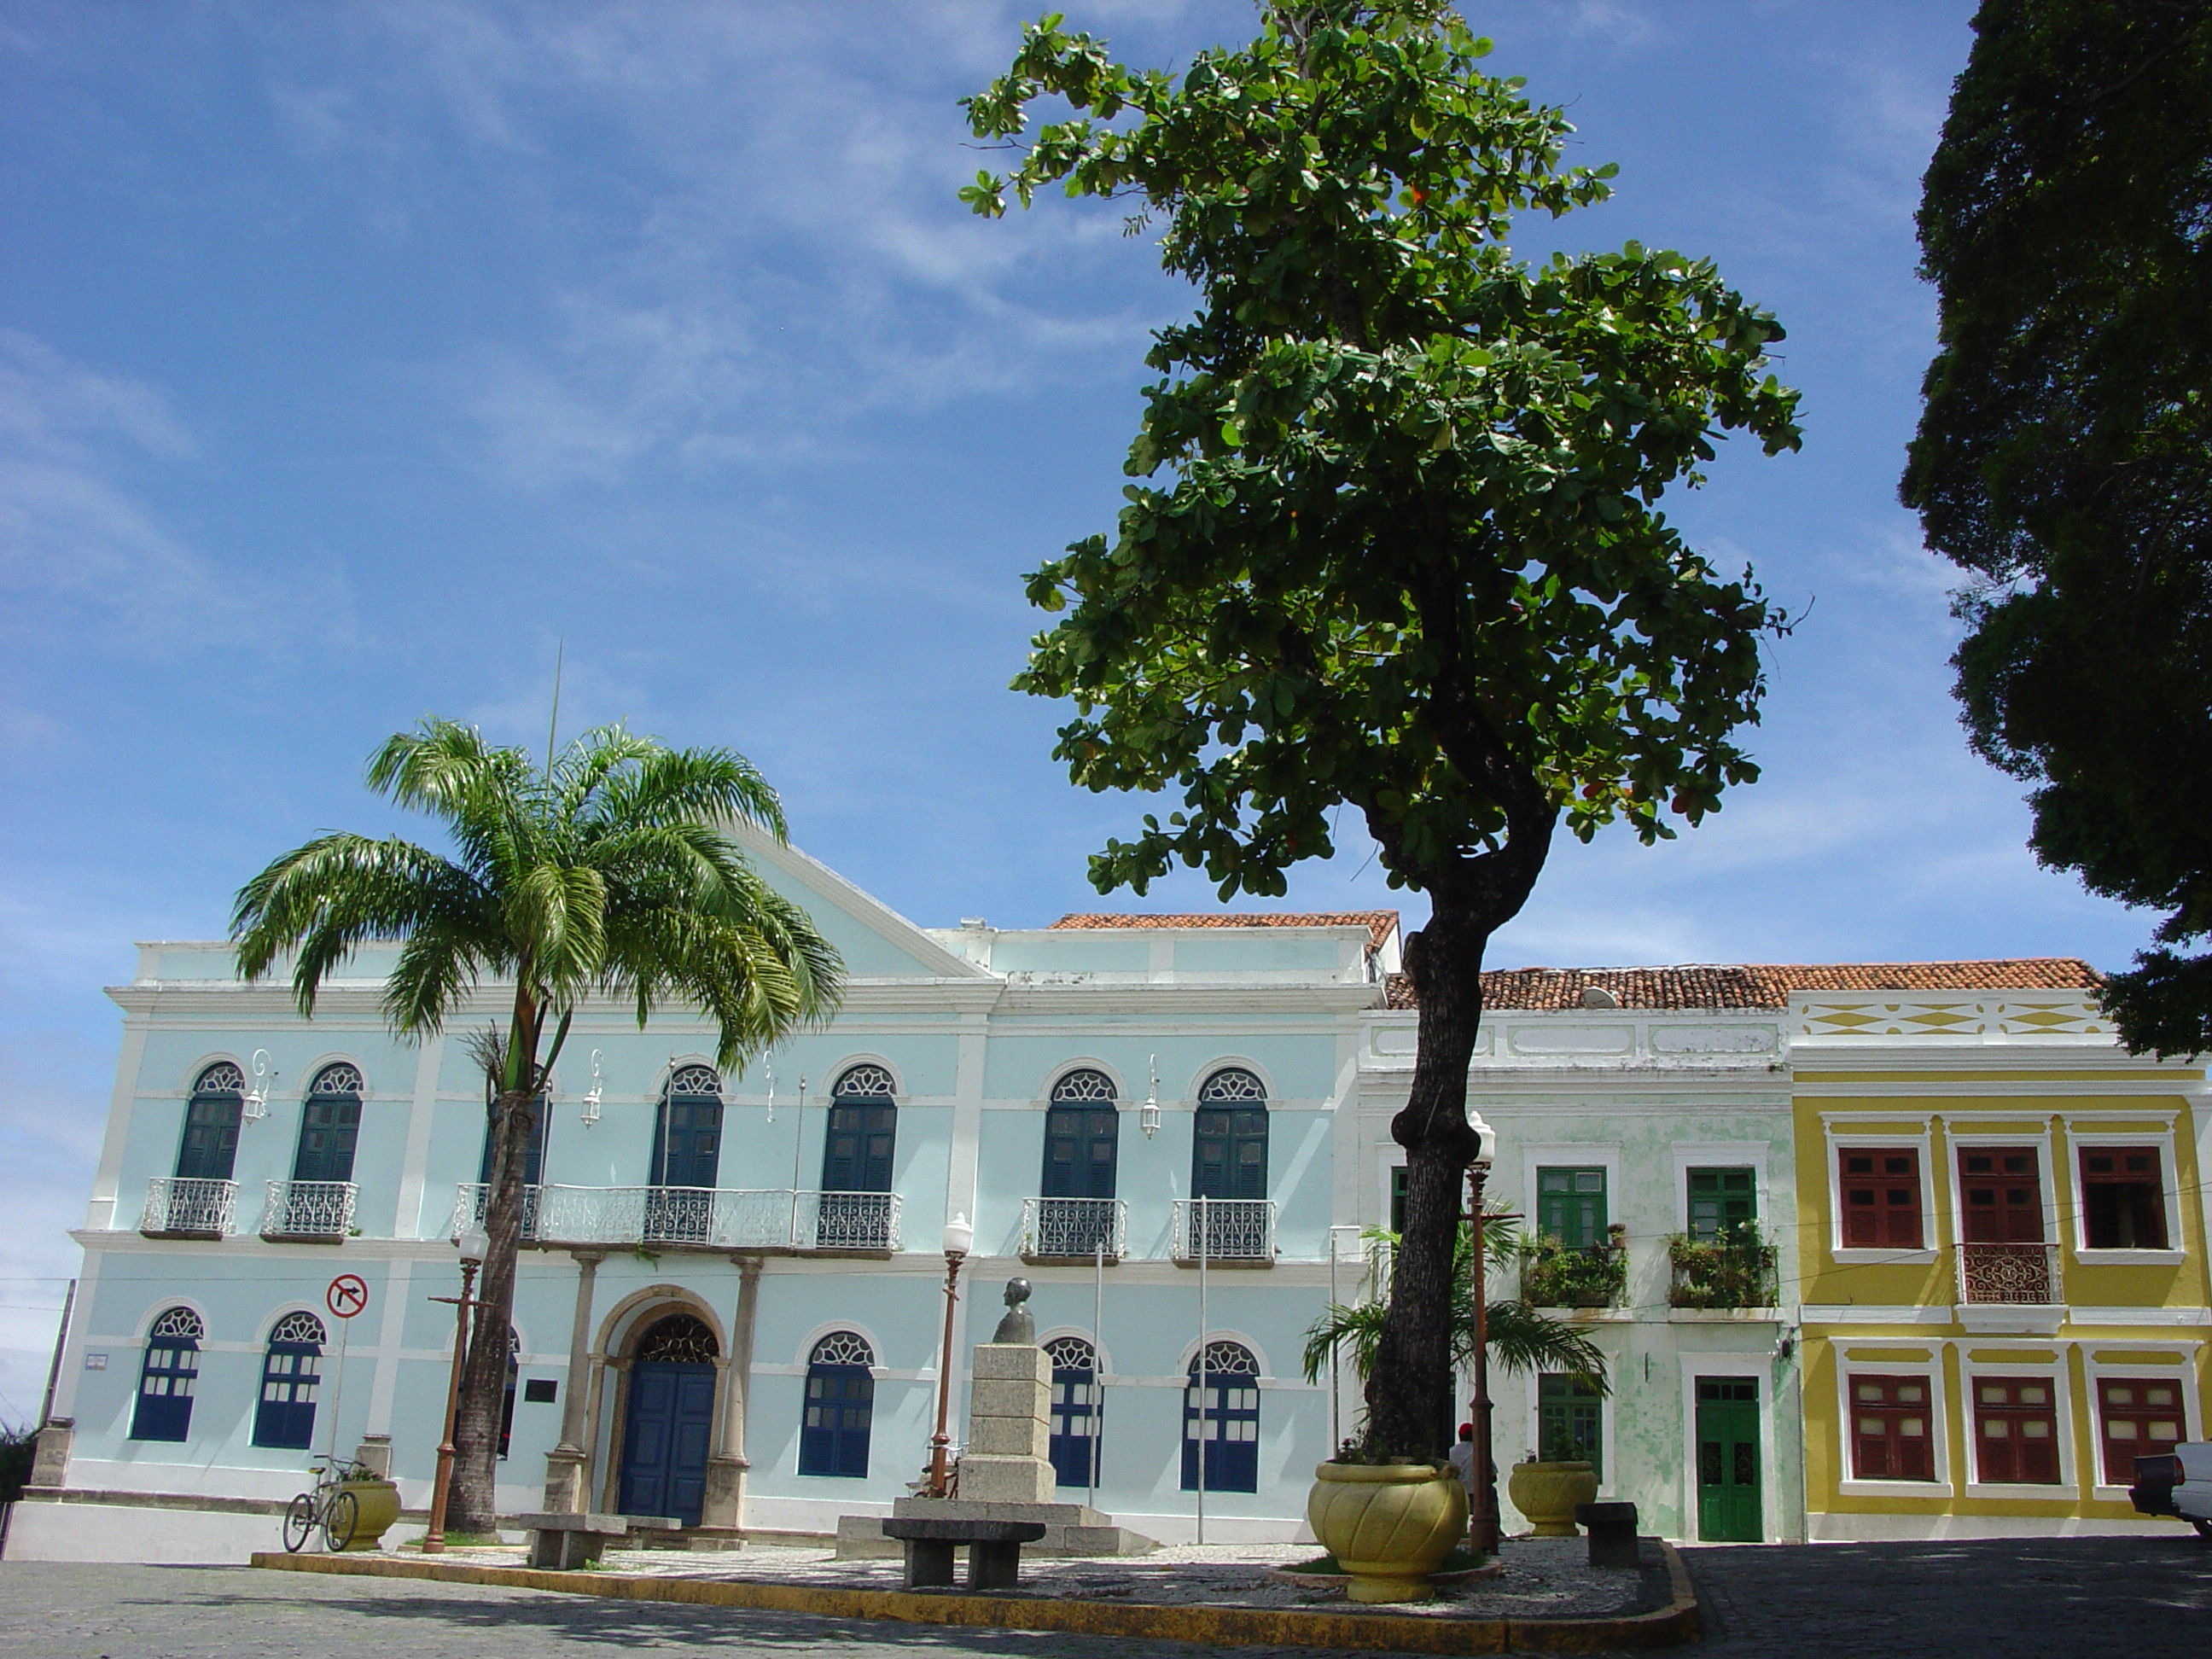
{"x": 2142, "y": 1418}
{"x": 1221, "y": 1418}
{"x": 1084, "y": 1085}
{"x": 840, "y": 1400}
{"x": 1881, "y": 1188}
{"x": 223, "y": 1078}
{"x": 695, "y": 1080}
{"x": 864, "y": 1083}
{"x": 1891, "y": 1432}
{"x": 678, "y": 1339}
{"x": 1233, "y": 1085}
{"x": 165, "y": 1381}
{"x": 343, "y": 1078}
{"x": 291, "y": 1374}
{"x": 1076, "y": 1402}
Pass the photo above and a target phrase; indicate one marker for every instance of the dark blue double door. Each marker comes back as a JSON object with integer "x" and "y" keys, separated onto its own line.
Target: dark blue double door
{"x": 666, "y": 1440}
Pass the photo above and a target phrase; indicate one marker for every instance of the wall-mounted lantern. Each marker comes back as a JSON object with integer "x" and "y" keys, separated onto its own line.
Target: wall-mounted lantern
{"x": 593, "y": 1095}
{"x": 255, "y": 1106}
{"x": 1148, "y": 1115}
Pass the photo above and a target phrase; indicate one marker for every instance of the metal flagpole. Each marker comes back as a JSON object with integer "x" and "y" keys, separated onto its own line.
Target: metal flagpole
{"x": 337, "y": 1387}
{"x": 1203, "y": 1404}
{"x": 1098, "y": 1363}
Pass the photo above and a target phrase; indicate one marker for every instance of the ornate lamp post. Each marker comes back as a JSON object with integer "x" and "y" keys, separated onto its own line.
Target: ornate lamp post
{"x": 473, "y": 1246}
{"x": 1482, "y": 1509}
{"x": 958, "y": 1236}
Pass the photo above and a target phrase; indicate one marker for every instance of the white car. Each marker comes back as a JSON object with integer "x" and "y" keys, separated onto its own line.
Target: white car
{"x": 2178, "y": 1483}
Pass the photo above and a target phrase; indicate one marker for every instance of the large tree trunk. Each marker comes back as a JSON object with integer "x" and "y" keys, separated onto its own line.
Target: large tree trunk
{"x": 1409, "y": 1392}
{"x": 471, "y": 1506}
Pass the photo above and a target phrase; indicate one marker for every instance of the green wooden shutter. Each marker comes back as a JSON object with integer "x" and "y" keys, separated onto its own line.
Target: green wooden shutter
{"x": 1571, "y": 1205}
{"x": 1721, "y": 1199}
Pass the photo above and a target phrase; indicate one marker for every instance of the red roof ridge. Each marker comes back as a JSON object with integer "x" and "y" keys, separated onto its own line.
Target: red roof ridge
{"x": 1763, "y": 985}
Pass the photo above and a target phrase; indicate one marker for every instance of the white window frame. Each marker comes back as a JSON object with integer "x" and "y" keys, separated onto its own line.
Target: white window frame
{"x": 2068, "y": 1486}
{"x": 1724, "y": 1155}
{"x": 1961, "y": 1136}
{"x": 2089, "y": 1138}
{"x": 2094, "y": 1370}
{"x": 1851, "y": 1483}
{"x": 1696, "y": 1366}
{"x": 1570, "y": 1154}
{"x": 1850, "y": 1255}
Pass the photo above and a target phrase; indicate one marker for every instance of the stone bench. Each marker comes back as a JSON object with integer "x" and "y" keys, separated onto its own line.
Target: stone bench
{"x": 994, "y": 1550}
{"x": 565, "y": 1541}
{"x": 1611, "y": 1533}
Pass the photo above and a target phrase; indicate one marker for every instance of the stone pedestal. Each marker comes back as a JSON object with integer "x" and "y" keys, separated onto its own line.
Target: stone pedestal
{"x": 1009, "y": 1427}
{"x": 564, "y": 1480}
{"x": 1005, "y": 1473}
{"x": 50, "y": 1453}
{"x": 374, "y": 1454}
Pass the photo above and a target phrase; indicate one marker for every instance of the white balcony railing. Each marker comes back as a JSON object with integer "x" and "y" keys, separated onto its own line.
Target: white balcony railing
{"x": 309, "y": 1209}
{"x": 1225, "y": 1230}
{"x": 2010, "y": 1274}
{"x": 708, "y": 1218}
{"x": 188, "y": 1206}
{"x": 1073, "y": 1228}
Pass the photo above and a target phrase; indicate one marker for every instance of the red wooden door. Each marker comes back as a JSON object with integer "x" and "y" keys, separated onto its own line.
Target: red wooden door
{"x": 2001, "y": 1190}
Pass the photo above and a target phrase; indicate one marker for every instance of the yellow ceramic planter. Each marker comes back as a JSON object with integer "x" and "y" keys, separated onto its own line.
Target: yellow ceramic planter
{"x": 1548, "y": 1493}
{"x": 376, "y": 1507}
{"x": 1388, "y": 1525}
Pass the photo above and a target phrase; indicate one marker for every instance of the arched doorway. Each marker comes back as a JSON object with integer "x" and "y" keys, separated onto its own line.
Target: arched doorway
{"x": 669, "y": 1427}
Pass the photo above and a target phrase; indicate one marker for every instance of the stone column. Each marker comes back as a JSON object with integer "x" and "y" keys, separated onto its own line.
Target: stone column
{"x": 725, "y": 1506}
{"x": 1009, "y": 1427}
{"x": 564, "y": 1464}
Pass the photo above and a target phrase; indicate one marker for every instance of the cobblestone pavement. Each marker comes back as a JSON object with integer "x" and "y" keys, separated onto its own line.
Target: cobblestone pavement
{"x": 2138, "y": 1596}
{"x": 2143, "y": 1597}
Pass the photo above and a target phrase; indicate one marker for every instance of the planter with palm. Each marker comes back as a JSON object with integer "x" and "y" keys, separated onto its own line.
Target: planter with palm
{"x": 608, "y": 872}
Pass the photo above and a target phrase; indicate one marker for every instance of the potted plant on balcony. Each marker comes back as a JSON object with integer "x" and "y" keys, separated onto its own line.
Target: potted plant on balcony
{"x": 1733, "y": 1268}
{"x": 1557, "y": 1274}
{"x": 1390, "y": 1518}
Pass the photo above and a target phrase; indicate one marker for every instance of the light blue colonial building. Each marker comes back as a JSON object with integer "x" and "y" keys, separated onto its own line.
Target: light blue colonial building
{"x": 731, "y": 1306}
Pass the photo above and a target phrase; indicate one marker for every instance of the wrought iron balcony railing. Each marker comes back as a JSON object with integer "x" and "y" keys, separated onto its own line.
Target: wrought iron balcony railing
{"x": 1238, "y": 1230}
{"x": 189, "y": 1206}
{"x": 316, "y": 1210}
{"x": 2015, "y": 1274}
{"x": 1071, "y": 1229}
{"x": 705, "y": 1217}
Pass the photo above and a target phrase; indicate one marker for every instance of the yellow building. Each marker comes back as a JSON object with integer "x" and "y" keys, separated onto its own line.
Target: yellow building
{"x": 2002, "y": 1222}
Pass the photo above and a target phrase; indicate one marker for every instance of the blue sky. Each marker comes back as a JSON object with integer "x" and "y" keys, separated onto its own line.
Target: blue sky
{"x": 351, "y": 357}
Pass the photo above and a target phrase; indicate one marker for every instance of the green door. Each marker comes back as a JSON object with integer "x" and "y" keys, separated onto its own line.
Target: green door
{"x": 1728, "y": 1511}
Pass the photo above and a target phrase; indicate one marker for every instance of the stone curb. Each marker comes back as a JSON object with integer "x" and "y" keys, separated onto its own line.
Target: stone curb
{"x": 1676, "y": 1622}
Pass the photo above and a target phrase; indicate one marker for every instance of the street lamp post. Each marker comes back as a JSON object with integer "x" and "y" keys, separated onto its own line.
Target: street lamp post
{"x": 473, "y": 1247}
{"x": 958, "y": 1236}
{"x": 1482, "y": 1509}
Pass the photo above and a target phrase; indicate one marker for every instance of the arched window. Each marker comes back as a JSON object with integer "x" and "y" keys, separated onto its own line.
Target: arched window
{"x": 208, "y": 1150}
{"x": 330, "y": 1124}
{"x": 1082, "y": 1140}
{"x": 687, "y": 1157}
{"x": 856, "y": 1162}
{"x": 291, "y": 1372}
{"x": 841, "y": 1406}
{"x": 164, "y": 1380}
{"x": 1229, "y": 1149}
{"x": 1221, "y": 1413}
{"x": 1075, "y": 1410}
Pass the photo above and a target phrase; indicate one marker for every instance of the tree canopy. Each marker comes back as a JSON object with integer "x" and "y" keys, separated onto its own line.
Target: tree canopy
{"x": 2065, "y": 454}
{"x": 608, "y": 872}
{"x": 1394, "y": 542}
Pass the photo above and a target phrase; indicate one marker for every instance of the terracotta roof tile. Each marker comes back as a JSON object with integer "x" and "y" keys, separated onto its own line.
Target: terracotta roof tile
{"x": 1762, "y": 985}
{"x": 1380, "y": 924}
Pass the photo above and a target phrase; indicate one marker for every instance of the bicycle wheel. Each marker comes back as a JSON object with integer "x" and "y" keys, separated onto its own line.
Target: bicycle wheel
{"x": 299, "y": 1522}
{"x": 340, "y": 1519}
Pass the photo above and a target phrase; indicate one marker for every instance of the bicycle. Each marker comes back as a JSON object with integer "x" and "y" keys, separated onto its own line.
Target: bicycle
{"x": 330, "y": 1508}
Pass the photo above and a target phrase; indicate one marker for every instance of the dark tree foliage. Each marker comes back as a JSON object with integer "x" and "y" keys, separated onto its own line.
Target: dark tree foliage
{"x": 1392, "y": 541}
{"x": 2064, "y": 459}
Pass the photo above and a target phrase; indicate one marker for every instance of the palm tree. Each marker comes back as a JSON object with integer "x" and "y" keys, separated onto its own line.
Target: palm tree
{"x": 1520, "y": 1338}
{"x": 610, "y": 872}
